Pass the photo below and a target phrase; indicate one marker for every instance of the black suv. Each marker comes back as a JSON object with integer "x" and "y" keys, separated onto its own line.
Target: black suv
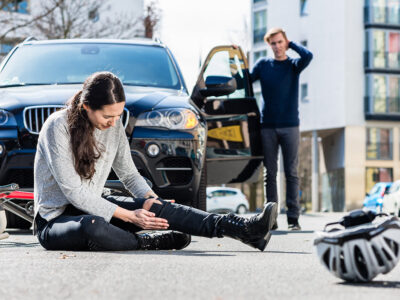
{"x": 178, "y": 140}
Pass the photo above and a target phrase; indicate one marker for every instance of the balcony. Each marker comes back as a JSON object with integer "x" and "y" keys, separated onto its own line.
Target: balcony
{"x": 258, "y": 35}
{"x": 382, "y": 61}
{"x": 382, "y": 16}
{"x": 382, "y": 108}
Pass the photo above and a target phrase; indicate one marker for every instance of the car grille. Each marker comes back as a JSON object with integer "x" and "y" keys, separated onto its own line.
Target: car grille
{"x": 178, "y": 170}
{"x": 35, "y": 116}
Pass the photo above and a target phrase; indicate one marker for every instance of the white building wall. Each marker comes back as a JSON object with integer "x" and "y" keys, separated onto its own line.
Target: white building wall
{"x": 354, "y": 45}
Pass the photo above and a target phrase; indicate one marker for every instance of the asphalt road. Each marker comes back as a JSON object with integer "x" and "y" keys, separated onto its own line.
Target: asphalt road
{"x": 207, "y": 269}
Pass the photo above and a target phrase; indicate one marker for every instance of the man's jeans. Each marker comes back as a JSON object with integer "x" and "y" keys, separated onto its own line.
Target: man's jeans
{"x": 288, "y": 139}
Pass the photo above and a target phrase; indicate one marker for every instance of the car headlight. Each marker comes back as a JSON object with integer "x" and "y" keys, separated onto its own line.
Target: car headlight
{"x": 7, "y": 118}
{"x": 178, "y": 118}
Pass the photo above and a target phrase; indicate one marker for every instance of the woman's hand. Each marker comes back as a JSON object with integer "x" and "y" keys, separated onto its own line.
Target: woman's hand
{"x": 148, "y": 220}
{"x": 142, "y": 218}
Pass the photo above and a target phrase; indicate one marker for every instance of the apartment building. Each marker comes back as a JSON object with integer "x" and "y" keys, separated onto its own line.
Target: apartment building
{"x": 349, "y": 95}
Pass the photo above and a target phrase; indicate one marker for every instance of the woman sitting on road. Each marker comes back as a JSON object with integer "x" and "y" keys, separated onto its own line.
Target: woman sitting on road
{"x": 76, "y": 150}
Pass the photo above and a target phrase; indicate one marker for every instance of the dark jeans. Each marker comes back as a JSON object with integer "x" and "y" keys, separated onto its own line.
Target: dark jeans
{"x": 77, "y": 230}
{"x": 288, "y": 139}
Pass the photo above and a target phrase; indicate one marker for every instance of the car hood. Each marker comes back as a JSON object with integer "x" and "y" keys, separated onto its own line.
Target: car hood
{"x": 138, "y": 99}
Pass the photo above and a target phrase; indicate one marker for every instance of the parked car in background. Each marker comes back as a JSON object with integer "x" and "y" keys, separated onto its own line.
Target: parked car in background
{"x": 373, "y": 200}
{"x": 391, "y": 201}
{"x": 180, "y": 141}
{"x": 226, "y": 199}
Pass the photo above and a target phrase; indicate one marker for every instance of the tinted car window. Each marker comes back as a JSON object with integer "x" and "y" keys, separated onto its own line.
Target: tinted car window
{"x": 230, "y": 193}
{"x": 73, "y": 63}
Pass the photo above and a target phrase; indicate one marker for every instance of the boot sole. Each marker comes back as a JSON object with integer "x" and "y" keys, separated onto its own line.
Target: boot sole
{"x": 272, "y": 210}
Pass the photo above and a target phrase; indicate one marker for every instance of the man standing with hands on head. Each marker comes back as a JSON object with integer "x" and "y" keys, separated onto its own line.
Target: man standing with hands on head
{"x": 279, "y": 79}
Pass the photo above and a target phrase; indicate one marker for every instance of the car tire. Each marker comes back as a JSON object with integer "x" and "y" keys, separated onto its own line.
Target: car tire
{"x": 241, "y": 209}
{"x": 14, "y": 221}
{"x": 200, "y": 199}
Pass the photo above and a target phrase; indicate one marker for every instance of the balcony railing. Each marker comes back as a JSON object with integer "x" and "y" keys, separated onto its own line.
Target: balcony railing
{"x": 382, "y": 15}
{"x": 258, "y": 34}
{"x": 380, "y": 151}
{"x": 382, "y": 60}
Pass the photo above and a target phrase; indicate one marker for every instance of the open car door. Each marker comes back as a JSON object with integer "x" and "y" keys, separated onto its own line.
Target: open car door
{"x": 224, "y": 95}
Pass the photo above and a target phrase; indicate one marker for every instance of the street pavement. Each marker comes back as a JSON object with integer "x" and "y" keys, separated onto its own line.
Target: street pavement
{"x": 206, "y": 269}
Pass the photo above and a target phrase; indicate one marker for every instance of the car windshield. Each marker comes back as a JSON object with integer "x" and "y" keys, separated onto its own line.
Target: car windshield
{"x": 375, "y": 189}
{"x": 72, "y": 63}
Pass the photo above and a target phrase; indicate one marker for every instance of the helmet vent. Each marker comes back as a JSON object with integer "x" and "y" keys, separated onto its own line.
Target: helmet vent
{"x": 334, "y": 264}
{"x": 361, "y": 263}
{"x": 393, "y": 245}
{"x": 342, "y": 264}
{"x": 378, "y": 256}
{"x": 326, "y": 256}
{"x": 386, "y": 254}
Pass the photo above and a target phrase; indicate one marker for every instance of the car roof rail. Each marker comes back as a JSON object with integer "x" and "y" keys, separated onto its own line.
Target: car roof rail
{"x": 157, "y": 40}
{"x": 30, "y": 38}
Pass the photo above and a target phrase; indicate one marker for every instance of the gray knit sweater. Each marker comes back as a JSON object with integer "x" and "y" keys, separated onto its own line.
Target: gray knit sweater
{"x": 57, "y": 184}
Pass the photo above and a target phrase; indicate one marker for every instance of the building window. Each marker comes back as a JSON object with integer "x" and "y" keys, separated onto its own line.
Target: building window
{"x": 259, "y": 54}
{"x": 374, "y": 175}
{"x": 18, "y": 6}
{"x": 383, "y": 49}
{"x": 304, "y": 92}
{"x": 379, "y": 143}
{"x": 383, "y": 94}
{"x": 303, "y": 8}
{"x": 260, "y": 26}
{"x": 383, "y": 11}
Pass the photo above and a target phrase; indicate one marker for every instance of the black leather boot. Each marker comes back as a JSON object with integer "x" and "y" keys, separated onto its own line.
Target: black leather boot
{"x": 163, "y": 240}
{"x": 254, "y": 231}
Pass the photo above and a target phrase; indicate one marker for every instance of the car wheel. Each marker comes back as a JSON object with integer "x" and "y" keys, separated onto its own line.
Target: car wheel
{"x": 200, "y": 200}
{"x": 241, "y": 209}
{"x": 14, "y": 221}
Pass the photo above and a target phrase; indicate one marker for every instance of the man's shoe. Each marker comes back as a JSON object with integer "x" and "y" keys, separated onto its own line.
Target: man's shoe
{"x": 293, "y": 224}
{"x": 163, "y": 240}
{"x": 294, "y": 227}
{"x": 255, "y": 231}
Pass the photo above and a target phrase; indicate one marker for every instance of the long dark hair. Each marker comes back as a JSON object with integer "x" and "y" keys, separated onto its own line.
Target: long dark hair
{"x": 99, "y": 89}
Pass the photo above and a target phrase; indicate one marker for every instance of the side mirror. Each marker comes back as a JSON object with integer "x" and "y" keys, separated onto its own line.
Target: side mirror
{"x": 209, "y": 196}
{"x": 366, "y": 194}
{"x": 219, "y": 86}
